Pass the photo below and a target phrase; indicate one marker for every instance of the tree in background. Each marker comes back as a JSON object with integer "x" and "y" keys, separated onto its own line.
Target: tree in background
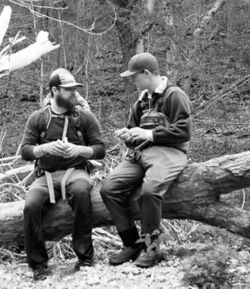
{"x": 12, "y": 61}
{"x": 198, "y": 43}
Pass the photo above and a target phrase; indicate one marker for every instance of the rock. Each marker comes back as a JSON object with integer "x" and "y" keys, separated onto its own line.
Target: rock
{"x": 93, "y": 280}
{"x": 131, "y": 270}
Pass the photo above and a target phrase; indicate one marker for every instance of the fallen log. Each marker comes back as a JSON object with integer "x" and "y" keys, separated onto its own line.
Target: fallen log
{"x": 194, "y": 195}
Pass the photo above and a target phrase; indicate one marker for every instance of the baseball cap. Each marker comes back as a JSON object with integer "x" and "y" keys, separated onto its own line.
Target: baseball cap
{"x": 63, "y": 78}
{"x": 140, "y": 62}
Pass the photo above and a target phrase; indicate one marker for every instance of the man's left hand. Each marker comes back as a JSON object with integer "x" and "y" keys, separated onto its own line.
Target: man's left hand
{"x": 140, "y": 134}
{"x": 71, "y": 150}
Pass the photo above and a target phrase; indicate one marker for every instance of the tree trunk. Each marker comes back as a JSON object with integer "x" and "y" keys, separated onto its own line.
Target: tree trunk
{"x": 194, "y": 195}
{"x": 140, "y": 46}
{"x": 127, "y": 40}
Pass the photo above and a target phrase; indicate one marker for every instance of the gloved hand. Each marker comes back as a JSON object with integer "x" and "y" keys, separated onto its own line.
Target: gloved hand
{"x": 141, "y": 134}
{"x": 71, "y": 150}
{"x": 124, "y": 134}
{"x": 55, "y": 148}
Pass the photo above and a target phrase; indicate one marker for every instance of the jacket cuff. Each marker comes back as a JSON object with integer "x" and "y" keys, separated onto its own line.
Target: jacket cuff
{"x": 98, "y": 151}
{"x": 149, "y": 135}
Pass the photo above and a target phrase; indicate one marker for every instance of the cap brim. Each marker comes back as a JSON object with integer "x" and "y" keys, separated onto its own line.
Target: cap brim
{"x": 127, "y": 73}
{"x": 72, "y": 84}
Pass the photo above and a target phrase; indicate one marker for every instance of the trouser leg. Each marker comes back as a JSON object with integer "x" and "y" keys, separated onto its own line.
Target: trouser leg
{"x": 162, "y": 166}
{"x": 79, "y": 187}
{"x": 116, "y": 191}
{"x": 151, "y": 207}
{"x": 36, "y": 201}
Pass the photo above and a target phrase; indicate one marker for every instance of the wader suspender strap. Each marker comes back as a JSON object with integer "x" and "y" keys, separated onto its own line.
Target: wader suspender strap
{"x": 65, "y": 128}
{"x": 70, "y": 170}
{"x": 66, "y": 175}
{"x": 64, "y": 180}
{"x": 50, "y": 187}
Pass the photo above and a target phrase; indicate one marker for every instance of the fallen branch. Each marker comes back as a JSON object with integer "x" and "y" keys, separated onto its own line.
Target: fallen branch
{"x": 21, "y": 170}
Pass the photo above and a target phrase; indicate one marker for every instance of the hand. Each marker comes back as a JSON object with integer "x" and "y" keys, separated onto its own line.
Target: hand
{"x": 140, "y": 134}
{"x": 56, "y": 148}
{"x": 123, "y": 133}
{"x": 71, "y": 150}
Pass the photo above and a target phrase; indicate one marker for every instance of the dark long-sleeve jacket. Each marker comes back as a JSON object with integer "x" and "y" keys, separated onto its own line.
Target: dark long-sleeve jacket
{"x": 90, "y": 131}
{"x": 177, "y": 108}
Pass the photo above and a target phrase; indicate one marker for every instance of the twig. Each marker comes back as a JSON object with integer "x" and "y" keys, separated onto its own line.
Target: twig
{"x": 23, "y": 169}
{"x": 219, "y": 122}
{"x": 106, "y": 240}
{"x": 175, "y": 232}
{"x": 62, "y": 39}
{"x": 9, "y": 159}
{"x": 86, "y": 67}
{"x": 113, "y": 148}
{"x": 104, "y": 232}
{"x": 11, "y": 185}
{"x": 194, "y": 228}
{"x": 24, "y": 180}
{"x": 1, "y": 141}
{"x": 243, "y": 199}
{"x": 152, "y": 276}
{"x": 86, "y": 30}
{"x": 201, "y": 108}
{"x": 171, "y": 226}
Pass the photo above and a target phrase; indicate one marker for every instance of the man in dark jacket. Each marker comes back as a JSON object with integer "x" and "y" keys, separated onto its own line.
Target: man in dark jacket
{"x": 61, "y": 138}
{"x": 157, "y": 134}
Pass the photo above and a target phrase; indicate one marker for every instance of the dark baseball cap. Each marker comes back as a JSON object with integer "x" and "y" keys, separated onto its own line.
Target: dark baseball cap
{"x": 63, "y": 78}
{"x": 141, "y": 62}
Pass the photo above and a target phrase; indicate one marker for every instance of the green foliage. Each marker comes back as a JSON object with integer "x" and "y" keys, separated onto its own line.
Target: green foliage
{"x": 209, "y": 269}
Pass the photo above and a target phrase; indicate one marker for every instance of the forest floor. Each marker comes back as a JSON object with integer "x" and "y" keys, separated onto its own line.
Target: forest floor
{"x": 207, "y": 258}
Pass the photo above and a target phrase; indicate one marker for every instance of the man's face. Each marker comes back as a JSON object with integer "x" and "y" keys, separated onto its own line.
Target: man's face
{"x": 65, "y": 97}
{"x": 141, "y": 80}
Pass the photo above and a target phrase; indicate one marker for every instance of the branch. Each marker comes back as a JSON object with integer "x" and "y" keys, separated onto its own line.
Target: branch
{"x": 20, "y": 170}
{"x": 29, "y": 54}
{"x": 207, "y": 18}
{"x": 4, "y": 21}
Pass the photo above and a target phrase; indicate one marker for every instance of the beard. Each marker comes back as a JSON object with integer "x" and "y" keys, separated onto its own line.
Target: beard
{"x": 68, "y": 103}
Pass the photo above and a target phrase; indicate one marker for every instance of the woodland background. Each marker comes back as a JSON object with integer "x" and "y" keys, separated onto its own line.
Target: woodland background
{"x": 211, "y": 65}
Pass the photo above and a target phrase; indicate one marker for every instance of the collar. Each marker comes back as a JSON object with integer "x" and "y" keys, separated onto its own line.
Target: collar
{"x": 162, "y": 86}
{"x": 159, "y": 89}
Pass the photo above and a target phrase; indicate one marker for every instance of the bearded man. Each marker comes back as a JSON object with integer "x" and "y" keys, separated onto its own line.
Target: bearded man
{"x": 61, "y": 139}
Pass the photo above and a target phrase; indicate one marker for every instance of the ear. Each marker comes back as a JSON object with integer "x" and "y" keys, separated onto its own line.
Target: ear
{"x": 54, "y": 89}
{"x": 147, "y": 72}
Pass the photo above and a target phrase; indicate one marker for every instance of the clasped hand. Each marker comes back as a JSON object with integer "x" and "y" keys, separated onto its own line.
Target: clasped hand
{"x": 133, "y": 134}
{"x": 62, "y": 149}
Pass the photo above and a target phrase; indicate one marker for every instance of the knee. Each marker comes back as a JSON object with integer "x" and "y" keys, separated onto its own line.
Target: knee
{"x": 35, "y": 198}
{"x": 147, "y": 190}
{"x": 80, "y": 189}
{"x": 105, "y": 189}
{"x": 31, "y": 206}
